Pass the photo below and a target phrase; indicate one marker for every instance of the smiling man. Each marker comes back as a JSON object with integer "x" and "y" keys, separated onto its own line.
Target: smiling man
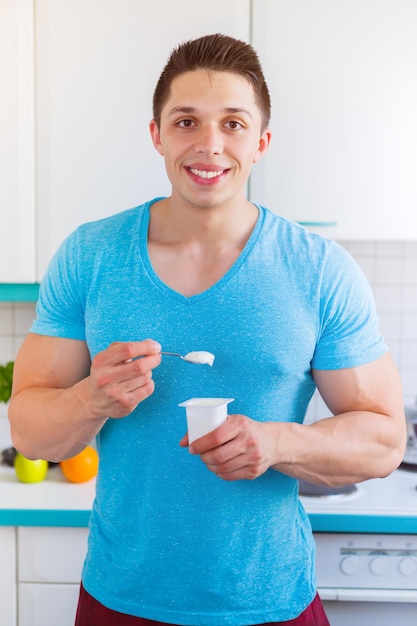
{"x": 210, "y": 533}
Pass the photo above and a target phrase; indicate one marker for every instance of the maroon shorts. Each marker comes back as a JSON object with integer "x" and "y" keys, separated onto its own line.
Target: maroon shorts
{"x": 92, "y": 613}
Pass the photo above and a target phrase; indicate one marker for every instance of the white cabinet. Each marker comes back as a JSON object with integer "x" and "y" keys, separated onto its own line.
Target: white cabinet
{"x": 49, "y": 572}
{"x": 344, "y": 96}
{"x": 7, "y": 576}
{"x": 343, "y": 85}
{"x": 40, "y": 573}
{"x": 96, "y": 66}
{"x": 47, "y": 605}
{"x": 17, "y": 165}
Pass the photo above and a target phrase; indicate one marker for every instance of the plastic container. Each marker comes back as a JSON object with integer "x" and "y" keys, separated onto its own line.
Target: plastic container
{"x": 204, "y": 415}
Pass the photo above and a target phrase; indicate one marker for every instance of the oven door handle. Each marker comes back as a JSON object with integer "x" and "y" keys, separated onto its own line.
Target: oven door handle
{"x": 368, "y": 595}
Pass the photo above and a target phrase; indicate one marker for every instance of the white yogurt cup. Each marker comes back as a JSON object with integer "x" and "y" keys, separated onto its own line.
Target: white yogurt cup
{"x": 204, "y": 415}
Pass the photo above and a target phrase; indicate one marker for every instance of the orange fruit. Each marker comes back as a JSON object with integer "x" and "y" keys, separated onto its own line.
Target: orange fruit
{"x": 81, "y": 467}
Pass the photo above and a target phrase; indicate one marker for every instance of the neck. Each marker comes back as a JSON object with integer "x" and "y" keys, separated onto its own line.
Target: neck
{"x": 171, "y": 222}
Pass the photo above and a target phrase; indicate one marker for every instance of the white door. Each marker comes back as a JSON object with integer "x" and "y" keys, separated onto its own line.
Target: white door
{"x": 17, "y": 165}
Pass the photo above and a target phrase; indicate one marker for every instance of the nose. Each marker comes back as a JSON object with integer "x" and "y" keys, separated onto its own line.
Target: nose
{"x": 209, "y": 140}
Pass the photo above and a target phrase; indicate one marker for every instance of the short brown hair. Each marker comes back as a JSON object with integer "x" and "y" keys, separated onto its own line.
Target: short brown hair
{"x": 218, "y": 53}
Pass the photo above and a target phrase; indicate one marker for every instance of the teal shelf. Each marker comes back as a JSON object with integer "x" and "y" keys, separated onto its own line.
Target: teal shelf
{"x": 42, "y": 517}
{"x": 317, "y": 224}
{"x": 321, "y": 523}
{"x": 19, "y": 292}
{"x": 376, "y": 524}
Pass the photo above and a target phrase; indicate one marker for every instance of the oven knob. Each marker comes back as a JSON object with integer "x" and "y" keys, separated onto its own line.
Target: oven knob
{"x": 378, "y": 566}
{"x": 349, "y": 565}
{"x": 407, "y": 566}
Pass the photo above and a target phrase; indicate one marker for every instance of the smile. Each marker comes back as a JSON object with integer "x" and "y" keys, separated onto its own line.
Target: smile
{"x": 205, "y": 173}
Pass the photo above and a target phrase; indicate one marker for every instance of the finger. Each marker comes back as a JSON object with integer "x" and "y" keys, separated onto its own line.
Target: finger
{"x": 141, "y": 391}
{"x": 125, "y": 377}
{"x": 132, "y": 350}
{"x": 138, "y": 367}
{"x": 131, "y": 383}
{"x": 122, "y": 403}
{"x": 238, "y": 469}
{"x": 215, "y": 439}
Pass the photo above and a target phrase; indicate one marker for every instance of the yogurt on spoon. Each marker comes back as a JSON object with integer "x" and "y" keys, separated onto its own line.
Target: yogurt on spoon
{"x": 199, "y": 357}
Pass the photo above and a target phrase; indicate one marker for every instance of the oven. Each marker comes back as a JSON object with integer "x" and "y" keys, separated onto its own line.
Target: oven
{"x": 366, "y": 542}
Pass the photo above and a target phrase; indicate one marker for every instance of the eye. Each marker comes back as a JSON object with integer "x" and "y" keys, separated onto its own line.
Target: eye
{"x": 234, "y": 125}
{"x": 185, "y": 123}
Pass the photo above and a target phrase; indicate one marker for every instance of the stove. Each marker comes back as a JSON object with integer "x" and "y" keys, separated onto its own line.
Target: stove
{"x": 311, "y": 490}
{"x": 366, "y": 541}
{"x": 391, "y": 500}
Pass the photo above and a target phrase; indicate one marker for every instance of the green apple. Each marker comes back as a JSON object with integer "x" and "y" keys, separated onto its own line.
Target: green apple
{"x": 29, "y": 471}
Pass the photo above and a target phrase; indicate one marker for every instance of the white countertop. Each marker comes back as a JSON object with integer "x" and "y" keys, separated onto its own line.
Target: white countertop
{"x": 57, "y": 502}
{"x": 52, "y": 502}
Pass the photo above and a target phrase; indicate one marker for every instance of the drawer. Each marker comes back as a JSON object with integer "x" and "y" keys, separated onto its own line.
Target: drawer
{"x": 47, "y": 604}
{"x": 51, "y": 554}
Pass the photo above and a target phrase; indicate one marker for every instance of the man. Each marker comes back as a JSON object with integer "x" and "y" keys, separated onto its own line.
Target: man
{"x": 216, "y": 536}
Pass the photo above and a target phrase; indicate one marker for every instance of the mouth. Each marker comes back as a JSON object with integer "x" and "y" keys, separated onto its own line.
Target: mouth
{"x": 205, "y": 174}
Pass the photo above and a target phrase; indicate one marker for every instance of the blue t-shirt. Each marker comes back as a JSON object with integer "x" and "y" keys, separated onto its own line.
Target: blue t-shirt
{"x": 170, "y": 541}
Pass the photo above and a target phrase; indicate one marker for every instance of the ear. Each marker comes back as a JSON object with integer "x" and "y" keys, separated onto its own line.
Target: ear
{"x": 263, "y": 146}
{"x": 156, "y": 136}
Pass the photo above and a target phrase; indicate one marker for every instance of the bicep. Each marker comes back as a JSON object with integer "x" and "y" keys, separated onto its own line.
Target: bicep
{"x": 375, "y": 386}
{"x": 52, "y": 362}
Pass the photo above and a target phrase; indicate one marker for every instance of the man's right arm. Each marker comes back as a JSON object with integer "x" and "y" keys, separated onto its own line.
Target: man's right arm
{"x": 61, "y": 400}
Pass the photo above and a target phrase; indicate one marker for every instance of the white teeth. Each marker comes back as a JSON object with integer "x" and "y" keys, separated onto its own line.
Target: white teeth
{"x": 205, "y": 173}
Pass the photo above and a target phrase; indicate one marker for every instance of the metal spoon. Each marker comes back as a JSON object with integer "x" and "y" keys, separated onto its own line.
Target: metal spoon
{"x": 198, "y": 358}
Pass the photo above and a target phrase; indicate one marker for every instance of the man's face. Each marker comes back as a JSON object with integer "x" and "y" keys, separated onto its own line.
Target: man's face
{"x": 210, "y": 135}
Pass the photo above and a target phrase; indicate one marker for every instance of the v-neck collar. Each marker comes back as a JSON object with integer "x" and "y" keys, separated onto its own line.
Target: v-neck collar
{"x": 168, "y": 291}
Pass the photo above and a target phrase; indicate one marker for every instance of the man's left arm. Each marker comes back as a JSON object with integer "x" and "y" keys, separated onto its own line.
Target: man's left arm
{"x": 366, "y": 436}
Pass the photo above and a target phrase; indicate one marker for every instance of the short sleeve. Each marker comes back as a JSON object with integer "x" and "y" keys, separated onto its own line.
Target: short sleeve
{"x": 349, "y": 328}
{"x": 60, "y": 309}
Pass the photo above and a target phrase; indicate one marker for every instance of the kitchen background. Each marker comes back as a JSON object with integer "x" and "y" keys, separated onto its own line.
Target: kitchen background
{"x": 76, "y": 83}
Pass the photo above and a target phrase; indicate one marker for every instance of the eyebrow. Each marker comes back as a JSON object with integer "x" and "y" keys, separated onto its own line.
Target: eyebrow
{"x": 228, "y": 110}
